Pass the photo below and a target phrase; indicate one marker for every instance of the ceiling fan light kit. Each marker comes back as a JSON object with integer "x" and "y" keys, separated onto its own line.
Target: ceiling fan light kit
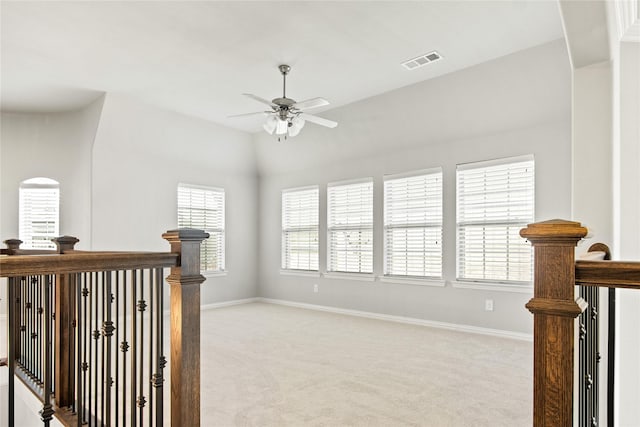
{"x": 287, "y": 117}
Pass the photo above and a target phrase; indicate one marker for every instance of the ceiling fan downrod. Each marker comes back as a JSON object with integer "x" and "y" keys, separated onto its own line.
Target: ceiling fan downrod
{"x": 284, "y": 70}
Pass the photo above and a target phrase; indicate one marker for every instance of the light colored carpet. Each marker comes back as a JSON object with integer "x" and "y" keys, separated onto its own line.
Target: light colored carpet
{"x": 269, "y": 365}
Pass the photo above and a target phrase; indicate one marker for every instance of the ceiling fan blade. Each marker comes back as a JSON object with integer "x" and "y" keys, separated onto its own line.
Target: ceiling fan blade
{"x": 310, "y": 103}
{"x": 318, "y": 120}
{"x": 257, "y": 98}
{"x": 263, "y": 113}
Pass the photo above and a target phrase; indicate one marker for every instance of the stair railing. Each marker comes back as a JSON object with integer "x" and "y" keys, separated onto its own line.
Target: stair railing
{"x": 86, "y": 331}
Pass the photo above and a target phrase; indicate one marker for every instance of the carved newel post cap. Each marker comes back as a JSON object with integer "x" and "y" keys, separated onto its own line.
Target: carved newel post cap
{"x": 13, "y": 244}
{"x": 554, "y": 230}
{"x": 65, "y": 243}
{"x": 66, "y": 240}
{"x": 183, "y": 234}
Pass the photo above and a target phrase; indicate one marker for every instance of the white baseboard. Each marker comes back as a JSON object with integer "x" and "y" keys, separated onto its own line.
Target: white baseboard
{"x": 409, "y": 320}
{"x": 229, "y": 303}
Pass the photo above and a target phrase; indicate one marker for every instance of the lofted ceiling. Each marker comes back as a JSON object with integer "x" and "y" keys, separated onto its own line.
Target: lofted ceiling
{"x": 197, "y": 58}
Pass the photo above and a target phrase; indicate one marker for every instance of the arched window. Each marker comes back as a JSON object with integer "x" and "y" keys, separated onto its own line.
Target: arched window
{"x": 39, "y": 214}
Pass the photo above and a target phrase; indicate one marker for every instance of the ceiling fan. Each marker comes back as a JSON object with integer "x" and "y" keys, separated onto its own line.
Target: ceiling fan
{"x": 287, "y": 117}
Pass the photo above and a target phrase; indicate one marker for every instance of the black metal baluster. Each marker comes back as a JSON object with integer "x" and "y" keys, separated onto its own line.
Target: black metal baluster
{"x": 23, "y": 321}
{"x": 151, "y": 347}
{"x": 589, "y": 357}
{"x": 26, "y": 321}
{"x": 90, "y": 345}
{"x": 34, "y": 328}
{"x": 103, "y": 380}
{"x": 593, "y": 355}
{"x": 86, "y": 358}
{"x": 52, "y": 308}
{"x": 79, "y": 342}
{"x": 18, "y": 318}
{"x": 611, "y": 339}
{"x": 96, "y": 337}
{"x": 40, "y": 343}
{"x": 29, "y": 358}
{"x": 117, "y": 355}
{"x": 142, "y": 305}
{"x": 160, "y": 360}
{"x": 124, "y": 347}
{"x": 37, "y": 336}
{"x": 47, "y": 410}
{"x": 74, "y": 360}
{"x": 582, "y": 373}
{"x": 107, "y": 332}
{"x": 30, "y": 329}
{"x": 134, "y": 347}
{"x": 13, "y": 310}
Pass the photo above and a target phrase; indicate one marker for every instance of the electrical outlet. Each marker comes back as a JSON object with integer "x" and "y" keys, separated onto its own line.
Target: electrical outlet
{"x": 315, "y": 288}
{"x": 488, "y": 305}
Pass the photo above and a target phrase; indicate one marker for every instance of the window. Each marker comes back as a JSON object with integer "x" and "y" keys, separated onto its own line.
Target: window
{"x": 203, "y": 208}
{"x": 350, "y": 227}
{"x": 413, "y": 225}
{"x": 39, "y": 213}
{"x": 300, "y": 229}
{"x": 495, "y": 200}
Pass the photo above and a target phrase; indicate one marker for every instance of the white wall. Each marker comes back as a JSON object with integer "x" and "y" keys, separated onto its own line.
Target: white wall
{"x": 57, "y": 146}
{"x": 511, "y": 106}
{"x": 627, "y": 244}
{"x": 592, "y": 188}
{"x": 140, "y": 155}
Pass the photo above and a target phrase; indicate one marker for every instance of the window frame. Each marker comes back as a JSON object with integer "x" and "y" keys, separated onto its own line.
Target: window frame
{"x": 363, "y": 227}
{"x": 285, "y": 259}
{"x": 437, "y": 225}
{"x": 494, "y": 283}
{"x": 26, "y": 191}
{"x": 214, "y": 232}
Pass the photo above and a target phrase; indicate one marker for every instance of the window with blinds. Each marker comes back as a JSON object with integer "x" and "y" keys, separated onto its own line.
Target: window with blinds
{"x": 495, "y": 200}
{"x": 413, "y": 225}
{"x": 203, "y": 208}
{"x": 300, "y": 229}
{"x": 350, "y": 227}
{"x": 39, "y": 213}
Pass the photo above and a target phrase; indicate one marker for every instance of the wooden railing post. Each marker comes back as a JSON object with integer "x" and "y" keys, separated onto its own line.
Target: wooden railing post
{"x": 185, "y": 280}
{"x": 554, "y": 308}
{"x": 64, "y": 325}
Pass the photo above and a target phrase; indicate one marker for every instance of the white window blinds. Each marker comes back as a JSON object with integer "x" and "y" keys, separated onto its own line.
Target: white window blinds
{"x": 495, "y": 200}
{"x": 203, "y": 208}
{"x": 39, "y": 212}
{"x": 413, "y": 225}
{"x": 350, "y": 227}
{"x": 300, "y": 229}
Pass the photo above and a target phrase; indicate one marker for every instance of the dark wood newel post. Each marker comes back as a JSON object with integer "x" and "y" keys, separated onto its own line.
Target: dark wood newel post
{"x": 65, "y": 314}
{"x": 185, "y": 280}
{"x": 555, "y": 309}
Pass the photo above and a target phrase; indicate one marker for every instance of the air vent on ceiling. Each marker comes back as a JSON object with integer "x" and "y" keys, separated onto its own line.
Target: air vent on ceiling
{"x": 421, "y": 60}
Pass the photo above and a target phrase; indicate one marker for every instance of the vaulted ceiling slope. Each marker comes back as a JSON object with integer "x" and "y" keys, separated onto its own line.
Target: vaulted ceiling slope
{"x": 197, "y": 58}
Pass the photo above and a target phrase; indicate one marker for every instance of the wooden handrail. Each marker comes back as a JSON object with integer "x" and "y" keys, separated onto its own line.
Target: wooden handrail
{"x": 78, "y": 262}
{"x": 610, "y": 274}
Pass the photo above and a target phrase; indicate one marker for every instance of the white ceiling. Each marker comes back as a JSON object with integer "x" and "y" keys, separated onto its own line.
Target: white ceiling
{"x": 197, "y": 58}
